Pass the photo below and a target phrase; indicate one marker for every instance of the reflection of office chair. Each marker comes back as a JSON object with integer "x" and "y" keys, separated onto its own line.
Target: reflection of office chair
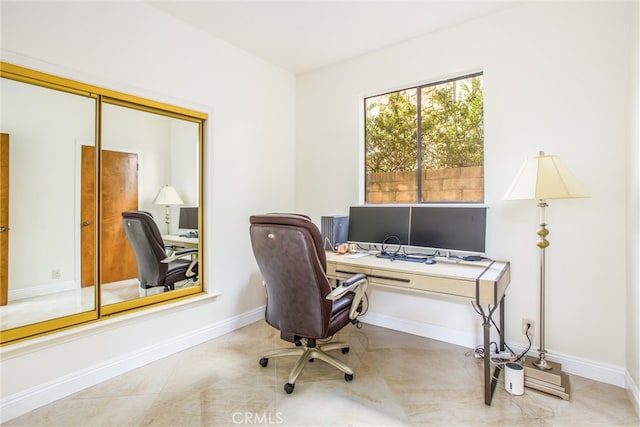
{"x": 155, "y": 268}
{"x": 300, "y": 302}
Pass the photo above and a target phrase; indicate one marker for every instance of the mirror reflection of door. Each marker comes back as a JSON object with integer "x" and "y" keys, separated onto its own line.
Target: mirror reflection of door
{"x": 87, "y": 215}
{"x": 120, "y": 193}
{"x": 4, "y": 218}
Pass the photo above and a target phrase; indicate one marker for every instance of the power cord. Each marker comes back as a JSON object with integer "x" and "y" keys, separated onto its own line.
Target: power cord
{"x": 528, "y": 347}
{"x": 478, "y": 352}
{"x": 521, "y": 355}
{"x": 328, "y": 244}
{"x": 368, "y": 248}
{"x": 383, "y": 250}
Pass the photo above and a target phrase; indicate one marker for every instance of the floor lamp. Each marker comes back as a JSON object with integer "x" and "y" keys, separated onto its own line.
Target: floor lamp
{"x": 541, "y": 178}
{"x": 168, "y": 196}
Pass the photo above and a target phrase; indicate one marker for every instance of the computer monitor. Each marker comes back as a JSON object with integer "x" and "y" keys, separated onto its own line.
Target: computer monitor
{"x": 188, "y": 218}
{"x": 449, "y": 228}
{"x": 379, "y": 224}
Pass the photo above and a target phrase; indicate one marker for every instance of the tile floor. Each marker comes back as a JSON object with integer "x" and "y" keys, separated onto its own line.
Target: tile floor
{"x": 399, "y": 380}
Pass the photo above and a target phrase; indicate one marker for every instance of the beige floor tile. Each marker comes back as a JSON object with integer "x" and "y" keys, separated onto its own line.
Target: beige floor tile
{"x": 399, "y": 380}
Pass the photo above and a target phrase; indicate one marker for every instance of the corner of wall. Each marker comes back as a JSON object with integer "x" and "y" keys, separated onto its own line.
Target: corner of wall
{"x": 633, "y": 217}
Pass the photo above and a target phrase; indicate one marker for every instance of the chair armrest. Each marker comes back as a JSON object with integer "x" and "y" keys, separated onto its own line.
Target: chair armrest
{"x": 179, "y": 254}
{"x": 347, "y": 285}
{"x": 191, "y": 253}
{"x": 356, "y": 284}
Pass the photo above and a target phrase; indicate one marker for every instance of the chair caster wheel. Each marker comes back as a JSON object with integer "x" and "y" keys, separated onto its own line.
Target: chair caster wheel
{"x": 345, "y": 350}
{"x": 263, "y": 362}
{"x": 348, "y": 377}
{"x": 288, "y": 387}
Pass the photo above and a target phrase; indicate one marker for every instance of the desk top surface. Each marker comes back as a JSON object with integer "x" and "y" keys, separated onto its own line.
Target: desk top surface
{"x": 482, "y": 281}
{"x": 462, "y": 270}
{"x": 177, "y": 238}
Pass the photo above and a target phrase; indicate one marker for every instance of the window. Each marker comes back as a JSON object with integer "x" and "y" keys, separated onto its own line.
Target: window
{"x": 426, "y": 143}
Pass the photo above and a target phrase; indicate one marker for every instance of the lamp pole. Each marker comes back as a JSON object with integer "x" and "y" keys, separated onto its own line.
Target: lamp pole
{"x": 542, "y": 243}
{"x": 167, "y": 218}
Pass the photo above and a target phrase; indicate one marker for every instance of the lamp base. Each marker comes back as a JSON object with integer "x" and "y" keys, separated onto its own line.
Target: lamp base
{"x": 552, "y": 381}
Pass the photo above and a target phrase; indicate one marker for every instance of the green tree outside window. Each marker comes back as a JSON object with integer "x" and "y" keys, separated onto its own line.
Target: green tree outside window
{"x": 451, "y": 137}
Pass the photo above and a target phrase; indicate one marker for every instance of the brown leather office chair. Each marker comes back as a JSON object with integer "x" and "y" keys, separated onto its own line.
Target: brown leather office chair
{"x": 301, "y": 303}
{"x": 155, "y": 266}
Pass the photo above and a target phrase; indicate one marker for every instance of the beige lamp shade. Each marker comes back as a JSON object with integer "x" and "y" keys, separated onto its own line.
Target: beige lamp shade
{"x": 168, "y": 196}
{"x": 545, "y": 177}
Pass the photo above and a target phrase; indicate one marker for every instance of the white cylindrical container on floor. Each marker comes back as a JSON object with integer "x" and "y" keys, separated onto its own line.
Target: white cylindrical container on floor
{"x": 514, "y": 379}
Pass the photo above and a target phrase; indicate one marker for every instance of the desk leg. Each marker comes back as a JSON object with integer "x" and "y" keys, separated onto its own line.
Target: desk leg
{"x": 491, "y": 381}
{"x": 486, "y": 326}
{"x": 502, "y": 333}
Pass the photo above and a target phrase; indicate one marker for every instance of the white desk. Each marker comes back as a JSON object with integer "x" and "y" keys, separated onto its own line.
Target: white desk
{"x": 483, "y": 282}
{"x": 181, "y": 242}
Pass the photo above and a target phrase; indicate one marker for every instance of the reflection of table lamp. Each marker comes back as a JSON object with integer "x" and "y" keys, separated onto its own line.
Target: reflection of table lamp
{"x": 168, "y": 196}
{"x": 544, "y": 177}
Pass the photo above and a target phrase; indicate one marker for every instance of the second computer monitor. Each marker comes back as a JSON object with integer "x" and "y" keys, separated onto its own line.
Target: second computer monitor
{"x": 449, "y": 228}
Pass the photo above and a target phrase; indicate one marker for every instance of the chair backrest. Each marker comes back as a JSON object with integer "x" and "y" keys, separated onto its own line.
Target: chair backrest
{"x": 289, "y": 251}
{"x": 148, "y": 247}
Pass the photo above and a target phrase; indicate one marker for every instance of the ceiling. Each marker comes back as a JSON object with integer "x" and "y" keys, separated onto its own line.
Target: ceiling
{"x": 302, "y": 36}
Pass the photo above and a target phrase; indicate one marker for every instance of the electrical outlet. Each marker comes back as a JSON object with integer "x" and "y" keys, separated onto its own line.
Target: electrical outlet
{"x": 55, "y": 274}
{"x": 532, "y": 329}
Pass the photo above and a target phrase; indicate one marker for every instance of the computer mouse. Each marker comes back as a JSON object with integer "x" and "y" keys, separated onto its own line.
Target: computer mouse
{"x": 430, "y": 261}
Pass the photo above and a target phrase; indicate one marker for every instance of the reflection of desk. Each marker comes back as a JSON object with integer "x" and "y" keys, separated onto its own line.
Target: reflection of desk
{"x": 180, "y": 242}
{"x": 483, "y": 282}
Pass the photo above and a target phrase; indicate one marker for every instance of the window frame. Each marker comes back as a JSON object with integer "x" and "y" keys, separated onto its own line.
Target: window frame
{"x": 419, "y": 168}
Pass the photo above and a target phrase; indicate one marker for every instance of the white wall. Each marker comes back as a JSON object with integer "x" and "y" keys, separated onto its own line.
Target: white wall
{"x": 185, "y": 165}
{"x": 633, "y": 218}
{"x": 250, "y": 152}
{"x": 167, "y": 151}
{"x": 556, "y": 78}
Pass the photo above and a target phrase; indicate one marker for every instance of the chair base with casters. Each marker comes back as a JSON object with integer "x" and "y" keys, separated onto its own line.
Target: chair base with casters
{"x": 308, "y": 351}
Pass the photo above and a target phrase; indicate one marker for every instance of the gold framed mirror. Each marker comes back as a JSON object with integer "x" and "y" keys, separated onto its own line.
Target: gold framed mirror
{"x": 74, "y": 158}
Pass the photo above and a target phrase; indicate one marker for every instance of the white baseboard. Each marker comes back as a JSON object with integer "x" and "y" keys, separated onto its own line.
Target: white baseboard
{"x": 634, "y": 392}
{"x": 598, "y": 371}
{"x": 426, "y": 330}
{"x": 43, "y": 394}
